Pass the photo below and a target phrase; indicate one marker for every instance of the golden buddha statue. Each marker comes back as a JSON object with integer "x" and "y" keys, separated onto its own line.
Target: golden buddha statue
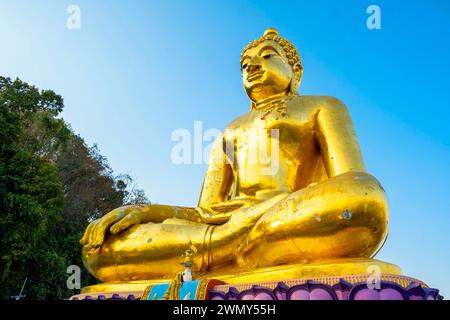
{"x": 312, "y": 203}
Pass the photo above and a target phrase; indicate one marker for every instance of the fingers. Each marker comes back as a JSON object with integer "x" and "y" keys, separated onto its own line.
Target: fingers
{"x": 129, "y": 220}
{"x": 85, "y": 239}
{"x": 90, "y": 237}
{"x": 208, "y": 217}
{"x": 94, "y": 235}
{"x": 99, "y": 231}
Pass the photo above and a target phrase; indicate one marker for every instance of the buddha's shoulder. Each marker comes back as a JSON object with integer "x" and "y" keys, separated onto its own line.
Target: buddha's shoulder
{"x": 313, "y": 102}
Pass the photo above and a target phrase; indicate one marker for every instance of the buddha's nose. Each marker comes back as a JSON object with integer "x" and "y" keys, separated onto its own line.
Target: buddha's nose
{"x": 253, "y": 65}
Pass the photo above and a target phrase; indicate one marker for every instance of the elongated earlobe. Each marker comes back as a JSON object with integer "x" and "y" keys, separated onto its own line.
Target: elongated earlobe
{"x": 295, "y": 82}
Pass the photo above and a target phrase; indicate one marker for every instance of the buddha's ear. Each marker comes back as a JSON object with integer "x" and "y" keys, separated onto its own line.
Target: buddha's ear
{"x": 296, "y": 79}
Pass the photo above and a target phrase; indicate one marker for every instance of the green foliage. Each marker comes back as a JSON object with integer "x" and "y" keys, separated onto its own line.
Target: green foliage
{"x": 51, "y": 186}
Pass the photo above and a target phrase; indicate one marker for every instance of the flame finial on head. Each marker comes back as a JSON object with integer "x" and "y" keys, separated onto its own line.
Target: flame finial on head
{"x": 271, "y": 31}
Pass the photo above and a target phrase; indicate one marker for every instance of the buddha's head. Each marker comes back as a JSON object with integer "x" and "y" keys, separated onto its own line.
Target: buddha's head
{"x": 271, "y": 67}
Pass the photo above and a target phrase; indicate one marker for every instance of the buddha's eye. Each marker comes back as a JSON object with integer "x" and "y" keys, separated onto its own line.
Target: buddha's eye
{"x": 244, "y": 66}
{"x": 267, "y": 55}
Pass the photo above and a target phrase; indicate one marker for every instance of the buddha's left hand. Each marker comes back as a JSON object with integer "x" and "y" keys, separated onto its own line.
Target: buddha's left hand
{"x": 221, "y": 212}
{"x": 234, "y": 204}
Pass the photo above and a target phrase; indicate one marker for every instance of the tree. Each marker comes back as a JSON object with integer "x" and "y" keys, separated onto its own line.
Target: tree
{"x": 31, "y": 195}
{"x": 51, "y": 186}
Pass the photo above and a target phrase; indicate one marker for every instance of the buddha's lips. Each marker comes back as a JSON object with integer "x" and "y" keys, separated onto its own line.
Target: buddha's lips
{"x": 254, "y": 75}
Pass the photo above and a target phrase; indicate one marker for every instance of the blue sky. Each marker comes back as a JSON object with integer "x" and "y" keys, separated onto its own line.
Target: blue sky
{"x": 138, "y": 70}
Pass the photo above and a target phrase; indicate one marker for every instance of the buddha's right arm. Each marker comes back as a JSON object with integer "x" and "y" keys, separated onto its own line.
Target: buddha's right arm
{"x": 216, "y": 186}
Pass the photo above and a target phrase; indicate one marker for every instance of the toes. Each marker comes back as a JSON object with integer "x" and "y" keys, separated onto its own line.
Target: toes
{"x": 92, "y": 251}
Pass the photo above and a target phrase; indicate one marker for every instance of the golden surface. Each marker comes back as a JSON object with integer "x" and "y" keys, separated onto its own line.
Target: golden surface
{"x": 284, "y": 273}
{"x": 309, "y": 199}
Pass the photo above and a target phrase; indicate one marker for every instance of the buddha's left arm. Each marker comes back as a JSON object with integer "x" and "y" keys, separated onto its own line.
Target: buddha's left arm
{"x": 337, "y": 139}
{"x": 216, "y": 185}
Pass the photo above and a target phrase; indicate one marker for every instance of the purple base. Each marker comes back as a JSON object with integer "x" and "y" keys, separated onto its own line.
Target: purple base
{"x": 115, "y": 296}
{"x": 343, "y": 290}
{"x": 310, "y": 290}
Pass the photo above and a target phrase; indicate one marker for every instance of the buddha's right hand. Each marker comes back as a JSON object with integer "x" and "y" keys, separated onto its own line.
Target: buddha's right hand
{"x": 117, "y": 220}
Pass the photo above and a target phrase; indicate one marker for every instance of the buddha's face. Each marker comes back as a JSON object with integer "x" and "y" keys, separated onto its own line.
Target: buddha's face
{"x": 266, "y": 71}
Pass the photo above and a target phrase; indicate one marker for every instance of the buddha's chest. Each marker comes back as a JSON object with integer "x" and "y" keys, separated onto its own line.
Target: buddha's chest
{"x": 283, "y": 133}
